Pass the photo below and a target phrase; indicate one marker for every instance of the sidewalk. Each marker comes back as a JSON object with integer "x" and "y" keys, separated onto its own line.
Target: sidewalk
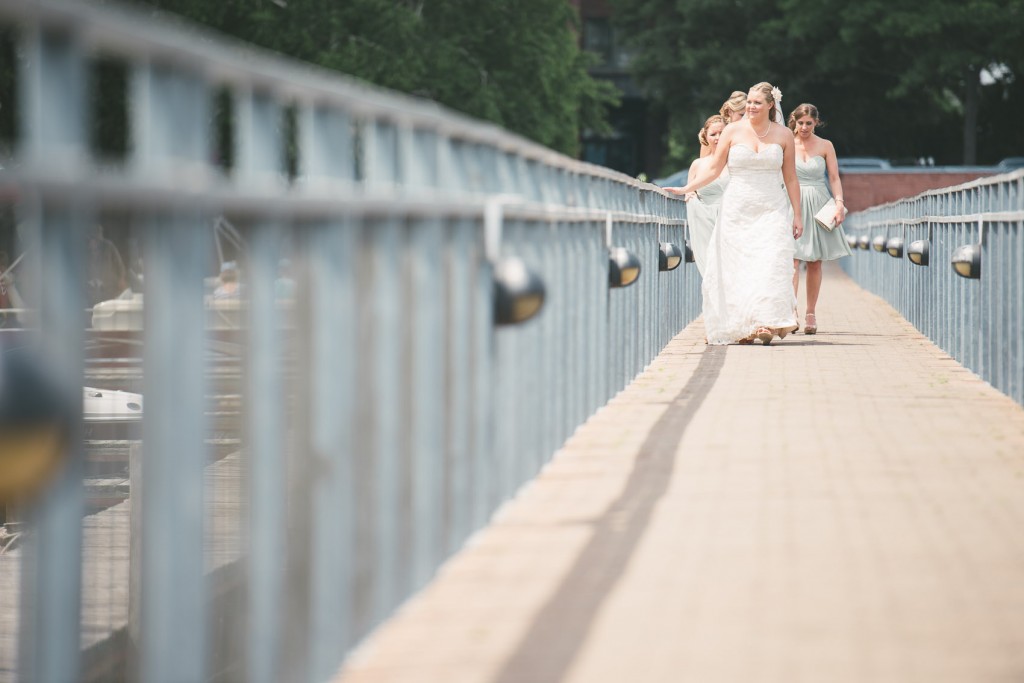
{"x": 842, "y": 507}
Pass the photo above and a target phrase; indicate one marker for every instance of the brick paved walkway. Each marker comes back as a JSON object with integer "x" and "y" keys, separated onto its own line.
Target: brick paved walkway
{"x": 844, "y": 507}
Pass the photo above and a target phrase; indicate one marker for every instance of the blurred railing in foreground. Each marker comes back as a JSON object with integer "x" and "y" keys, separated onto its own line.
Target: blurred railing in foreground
{"x": 312, "y": 449}
{"x": 952, "y": 262}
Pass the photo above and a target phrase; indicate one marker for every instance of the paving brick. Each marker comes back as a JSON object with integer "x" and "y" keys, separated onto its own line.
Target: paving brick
{"x": 842, "y": 507}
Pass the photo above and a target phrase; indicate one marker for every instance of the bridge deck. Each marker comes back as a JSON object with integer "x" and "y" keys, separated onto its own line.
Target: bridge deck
{"x": 845, "y": 507}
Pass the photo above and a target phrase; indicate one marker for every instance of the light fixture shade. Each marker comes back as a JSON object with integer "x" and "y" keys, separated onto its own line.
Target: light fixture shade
{"x": 669, "y": 257}
{"x": 864, "y": 242}
{"x": 518, "y": 292}
{"x": 917, "y": 252}
{"x": 851, "y": 240}
{"x": 967, "y": 261}
{"x": 35, "y": 425}
{"x": 688, "y": 252}
{"x": 894, "y": 245}
{"x": 878, "y": 244}
{"x": 623, "y": 267}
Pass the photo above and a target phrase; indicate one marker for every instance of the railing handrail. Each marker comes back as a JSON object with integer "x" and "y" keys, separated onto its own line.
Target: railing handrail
{"x": 975, "y": 217}
{"x": 949, "y": 260}
{"x": 969, "y": 185}
{"x": 134, "y": 33}
{"x": 383, "y": 399}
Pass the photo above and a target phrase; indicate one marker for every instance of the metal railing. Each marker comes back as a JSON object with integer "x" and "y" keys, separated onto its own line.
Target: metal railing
{"x": 952, "y": 262}
{"x": 307, "y": 462}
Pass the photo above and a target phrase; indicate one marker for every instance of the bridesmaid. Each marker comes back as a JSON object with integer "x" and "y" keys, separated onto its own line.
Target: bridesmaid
{"x": 735, "y": 107}
{"x": 702, "y": 207}
{"x": 732, "y": 111}
{"x": 815, "y": 156}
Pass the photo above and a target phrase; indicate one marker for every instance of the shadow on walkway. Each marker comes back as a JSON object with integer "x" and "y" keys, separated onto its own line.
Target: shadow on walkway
{"x": 561, "y": 626}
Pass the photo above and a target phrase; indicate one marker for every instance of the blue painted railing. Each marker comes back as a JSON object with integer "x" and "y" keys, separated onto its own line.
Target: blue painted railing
{"x": 305, "y": 461}
{"x": 978, "y": 319}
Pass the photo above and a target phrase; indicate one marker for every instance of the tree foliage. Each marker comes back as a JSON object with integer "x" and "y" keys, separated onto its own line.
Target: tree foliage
{"x": 516, "y": 64}
{"x": 894, "y": 78}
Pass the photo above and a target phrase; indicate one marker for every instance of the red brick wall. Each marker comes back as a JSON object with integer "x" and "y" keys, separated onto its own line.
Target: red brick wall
{"x": 863, "y": 190}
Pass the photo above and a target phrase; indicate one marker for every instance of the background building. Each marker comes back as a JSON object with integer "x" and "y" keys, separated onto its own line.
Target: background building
{"x": 636, "y": 145}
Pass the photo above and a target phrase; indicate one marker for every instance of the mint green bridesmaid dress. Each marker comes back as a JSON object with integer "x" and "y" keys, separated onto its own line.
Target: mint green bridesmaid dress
{"x": 702, "y": 214}
{"x": 817, "y": 243}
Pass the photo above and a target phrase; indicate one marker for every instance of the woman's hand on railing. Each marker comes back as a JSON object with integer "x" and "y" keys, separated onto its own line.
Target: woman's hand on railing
{"x": 678, "y": 191}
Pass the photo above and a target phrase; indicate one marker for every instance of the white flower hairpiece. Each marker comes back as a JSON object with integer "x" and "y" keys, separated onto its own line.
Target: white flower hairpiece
{"x": 777, "y": 95}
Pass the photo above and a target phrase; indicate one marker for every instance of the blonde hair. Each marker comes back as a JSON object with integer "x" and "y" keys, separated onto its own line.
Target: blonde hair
{"x": 702, "y": 136}
{"x": 802, "y": 111}
{"x": 765, "y": 88}
{"x": 737, "y": 102}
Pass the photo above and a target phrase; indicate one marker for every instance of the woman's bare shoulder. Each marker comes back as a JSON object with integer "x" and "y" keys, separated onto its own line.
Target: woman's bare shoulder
{"x": 728, "y": 133}
{"x": 782, "y": 135}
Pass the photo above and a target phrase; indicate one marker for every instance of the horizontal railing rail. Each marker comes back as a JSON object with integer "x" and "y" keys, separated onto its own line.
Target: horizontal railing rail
{"x": 352, "y": 401}
{"x": 952, "y": 262}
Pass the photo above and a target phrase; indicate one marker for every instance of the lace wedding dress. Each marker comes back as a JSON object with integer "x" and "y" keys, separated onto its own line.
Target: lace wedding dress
{"x": 748, "y": 279}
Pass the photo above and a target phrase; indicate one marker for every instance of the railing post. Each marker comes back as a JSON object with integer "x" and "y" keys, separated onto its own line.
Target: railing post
{"x": 173, "y": 122}
{"x": 52, "y": 77}
{"x": 385, "y": 416}
{"x": 974, "y": 319}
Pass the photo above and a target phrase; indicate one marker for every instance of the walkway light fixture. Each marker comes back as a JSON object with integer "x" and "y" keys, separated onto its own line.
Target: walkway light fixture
{"x": 669, "y": 257}
{"x": 518, "y": 292}
{"x": 878, "y": 244}
{"x": 864, "y": 242}
{"x": 688, "y": 252}
{"x": 35, "y": 426}
{"x": 917, "y": 252}
{"x": 851, "y": 240}
{"x": 967, "y": 261}
{"x": 623, "y": 267}
{"x": 894, "y": 245}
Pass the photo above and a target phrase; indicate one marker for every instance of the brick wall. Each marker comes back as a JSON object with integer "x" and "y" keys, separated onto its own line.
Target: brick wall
{"x": 862, "y": 189}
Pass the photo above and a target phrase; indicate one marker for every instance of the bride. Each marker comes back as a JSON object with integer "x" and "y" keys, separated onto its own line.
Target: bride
{"x": 748, "y": 278}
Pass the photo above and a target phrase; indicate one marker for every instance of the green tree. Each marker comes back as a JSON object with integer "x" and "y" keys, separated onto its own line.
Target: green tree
{"x": 516, "y": 64}
{"x": 933, "y": 54}
{"x": 894, "y": 78}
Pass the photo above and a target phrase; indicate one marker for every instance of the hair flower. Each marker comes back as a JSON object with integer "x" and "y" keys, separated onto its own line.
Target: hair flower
{"x": 777, "y": 95}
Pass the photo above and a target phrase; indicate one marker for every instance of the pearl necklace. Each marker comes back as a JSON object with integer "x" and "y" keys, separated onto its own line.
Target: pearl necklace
{"x": 761, "y": 137}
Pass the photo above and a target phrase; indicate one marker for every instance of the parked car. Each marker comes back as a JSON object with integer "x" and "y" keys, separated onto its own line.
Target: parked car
{"x": 864, "y": 163}
{"x": 1011, "y": 163}
{"x": 677, "y": 179}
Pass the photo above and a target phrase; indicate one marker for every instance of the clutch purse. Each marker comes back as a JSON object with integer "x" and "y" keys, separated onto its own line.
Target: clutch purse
{"x": 826, "y": 216}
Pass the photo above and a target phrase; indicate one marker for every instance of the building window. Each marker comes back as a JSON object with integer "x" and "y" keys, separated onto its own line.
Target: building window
{"x": 598, "y": 38}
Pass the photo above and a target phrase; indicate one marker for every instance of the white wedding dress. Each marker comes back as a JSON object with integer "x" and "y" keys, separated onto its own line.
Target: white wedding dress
{"x": 748, "y": 279}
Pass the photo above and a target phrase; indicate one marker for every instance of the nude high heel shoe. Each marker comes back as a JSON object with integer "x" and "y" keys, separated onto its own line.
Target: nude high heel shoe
{"x": 811, "y": 327}
{"x": 765, "y": 335}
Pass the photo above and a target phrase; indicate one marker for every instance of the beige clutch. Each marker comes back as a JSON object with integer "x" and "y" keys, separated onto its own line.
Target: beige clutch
{"x": 826, "y": 216}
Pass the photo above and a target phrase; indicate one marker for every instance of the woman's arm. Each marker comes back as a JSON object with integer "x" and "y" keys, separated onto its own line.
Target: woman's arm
{"x": 832, "y": 165}
{"x": 692, "y": 173}
{"x": 693, "y": 170}
{"x": 710, "y": 169}
{"x": 792, "y": 184}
